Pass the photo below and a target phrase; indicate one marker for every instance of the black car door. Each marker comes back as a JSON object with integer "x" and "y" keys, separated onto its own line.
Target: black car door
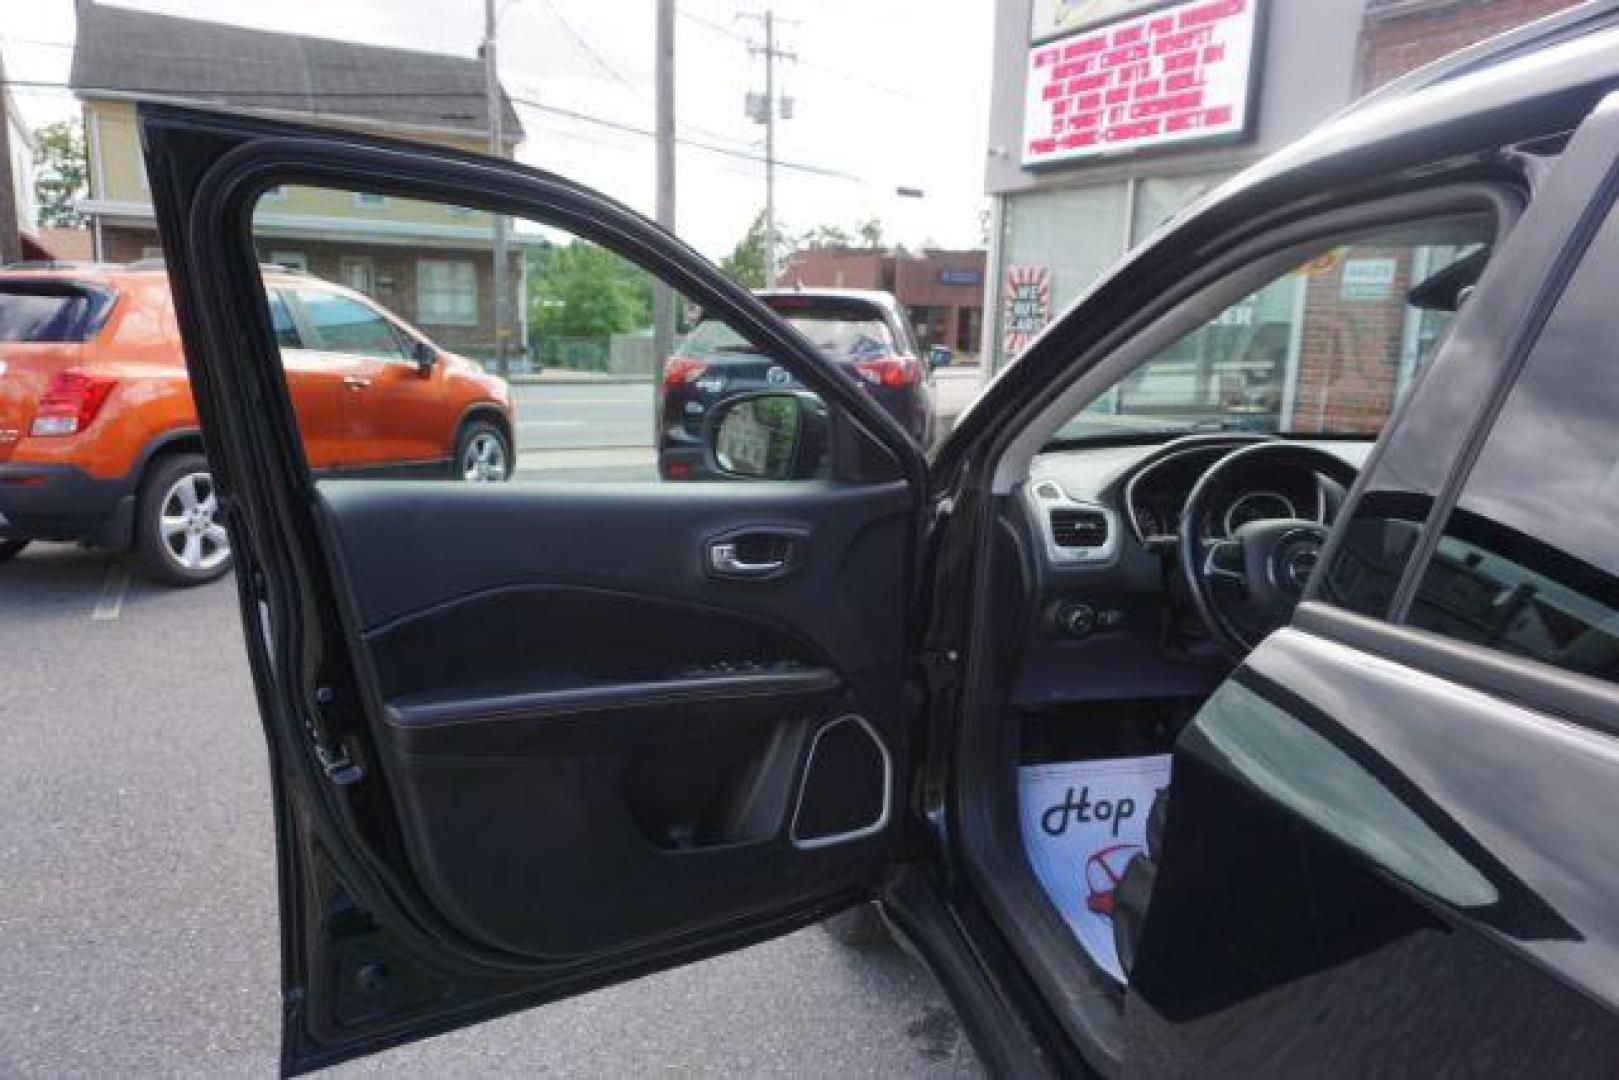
{"x": 1389, "y": 844}
{"x": 533, "y": 738}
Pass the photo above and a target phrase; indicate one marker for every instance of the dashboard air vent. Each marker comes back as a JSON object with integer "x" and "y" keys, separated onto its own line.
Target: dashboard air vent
{"x": 1078, "y": 528}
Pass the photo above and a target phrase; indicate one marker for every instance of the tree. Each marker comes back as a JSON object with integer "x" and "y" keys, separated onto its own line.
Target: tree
{"x": 579, "y": 290}
{"x": 62, "y": 171}
{"x": 745, "y": 265}
{"x": 824, "y": 236}
{"x": 871, "y": 233}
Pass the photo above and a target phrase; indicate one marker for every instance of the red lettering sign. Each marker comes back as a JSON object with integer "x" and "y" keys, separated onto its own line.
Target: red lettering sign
{"x": 1176, "y": 74}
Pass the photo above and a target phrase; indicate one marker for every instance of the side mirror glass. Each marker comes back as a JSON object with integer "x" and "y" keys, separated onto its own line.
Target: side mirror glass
{"x": 939, "y": 356}
{"x": 425, "y": 356}
{"x": 768, "y": 436}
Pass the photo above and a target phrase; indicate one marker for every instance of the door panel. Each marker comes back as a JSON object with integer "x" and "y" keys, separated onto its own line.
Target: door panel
{"x": 1429, "y": 903}
{"x": 1387, "y": 849}
{"x": 315, "y": 385}
{"x": 392, "y": 413}
{"x": 637, "y": 731}
{"x": 531, "y": 738}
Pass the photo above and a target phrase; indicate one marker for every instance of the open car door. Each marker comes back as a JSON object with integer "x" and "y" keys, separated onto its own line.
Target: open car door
{"x": 532, "y": 738}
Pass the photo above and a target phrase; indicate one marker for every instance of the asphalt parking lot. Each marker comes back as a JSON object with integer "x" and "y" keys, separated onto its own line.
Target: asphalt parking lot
{"x": 137, "y": 917}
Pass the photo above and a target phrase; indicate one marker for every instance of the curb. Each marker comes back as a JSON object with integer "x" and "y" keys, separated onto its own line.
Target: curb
{"x": 577, "y": 379}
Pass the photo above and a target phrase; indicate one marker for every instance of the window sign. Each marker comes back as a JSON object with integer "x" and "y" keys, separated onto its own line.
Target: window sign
{"x": 1025, "y": 306}
{"x": 1367, "y": 279}
{"x": 1176, "y": 75}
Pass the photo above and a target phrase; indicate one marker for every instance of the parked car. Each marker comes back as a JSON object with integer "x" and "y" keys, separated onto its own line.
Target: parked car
{"x": 98, "y": 432}
{"x": 626, "y": 726}
{"x": 865, "y": 332}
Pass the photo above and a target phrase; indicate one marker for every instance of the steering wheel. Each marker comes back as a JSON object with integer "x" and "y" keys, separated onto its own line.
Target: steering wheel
{"x": 1246, "y": 585}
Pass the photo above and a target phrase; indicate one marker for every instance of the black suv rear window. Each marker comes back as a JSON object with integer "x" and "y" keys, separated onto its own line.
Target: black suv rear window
{"x": 49, "y": 312}
{"x": 840, "y": 331}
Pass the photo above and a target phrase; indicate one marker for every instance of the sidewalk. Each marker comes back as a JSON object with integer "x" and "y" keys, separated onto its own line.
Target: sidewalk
{"x": 569, "y": 377}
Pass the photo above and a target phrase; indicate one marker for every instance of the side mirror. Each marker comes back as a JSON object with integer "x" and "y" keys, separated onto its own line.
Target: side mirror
{"x": 939, "y": 356}
{"x": 767, "y": 436}
{"x": 425, "y": 356}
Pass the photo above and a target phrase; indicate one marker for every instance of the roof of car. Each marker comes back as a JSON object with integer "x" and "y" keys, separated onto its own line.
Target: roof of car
{"x": 870, "y": 296}
{"x": 114, "y": 275}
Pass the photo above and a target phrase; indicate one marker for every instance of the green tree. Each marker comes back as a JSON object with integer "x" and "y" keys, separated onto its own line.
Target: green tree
{"x": 579, "y": 290}
{"x": 824, "y": 236}
{"x": 745, "y": 265}
{"x": 62, "y": 172}
{"x": 870, "y": 232}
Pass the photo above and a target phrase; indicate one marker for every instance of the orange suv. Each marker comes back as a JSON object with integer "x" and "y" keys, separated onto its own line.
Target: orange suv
{"x": 98, "y": 432}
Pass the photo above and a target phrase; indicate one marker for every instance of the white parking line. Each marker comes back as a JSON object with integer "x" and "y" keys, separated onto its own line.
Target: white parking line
{"x": 112, "y": 593}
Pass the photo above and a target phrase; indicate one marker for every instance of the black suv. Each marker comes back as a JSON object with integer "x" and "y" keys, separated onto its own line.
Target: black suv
{"x": 864, "y": 332}
{"x": 1362, "y": 590}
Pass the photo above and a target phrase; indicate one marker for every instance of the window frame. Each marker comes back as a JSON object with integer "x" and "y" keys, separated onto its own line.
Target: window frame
{"x": 477, "y": 306}
{"x": 1576, "y": 197}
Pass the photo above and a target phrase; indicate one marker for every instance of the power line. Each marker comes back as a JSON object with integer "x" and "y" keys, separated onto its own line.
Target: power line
{"x": 697, "y": 144}
{"x": 588, "y": 50}
{"x": 554, "y": 110}
{"x": 718, "y": 28}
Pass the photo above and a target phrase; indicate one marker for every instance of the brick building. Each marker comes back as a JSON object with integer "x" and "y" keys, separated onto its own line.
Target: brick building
{"x": 1401, "y": 35}
{"x": 943, "y": 291}
{"x": 430, "y": 263}
{"x": 1342, "y": 376}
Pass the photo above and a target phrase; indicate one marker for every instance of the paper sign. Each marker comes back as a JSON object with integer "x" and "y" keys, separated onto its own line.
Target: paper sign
{"x": 1082, "y": 823}
{"x": 1367, "y": 279}
{"x": 1025, "y": 306}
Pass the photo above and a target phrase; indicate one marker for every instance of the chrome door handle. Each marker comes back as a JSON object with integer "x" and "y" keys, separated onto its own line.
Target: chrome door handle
{"x": 354, "y": 382}
{"x": 724, "y": 559}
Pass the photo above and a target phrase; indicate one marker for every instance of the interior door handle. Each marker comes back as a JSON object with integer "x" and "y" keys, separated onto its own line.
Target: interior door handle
{"x": 724, "y": 558}
{"x": 753, "y": 553}
{"x": 355, "y": 382}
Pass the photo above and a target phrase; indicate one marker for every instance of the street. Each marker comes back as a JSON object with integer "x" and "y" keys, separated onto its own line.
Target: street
{"x": 594, "y": 431}
{"x": 137, "y": 919}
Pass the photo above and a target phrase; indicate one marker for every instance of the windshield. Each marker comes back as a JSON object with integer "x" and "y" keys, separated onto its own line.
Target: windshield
{"x": 1329, "y": 348}
{"x": 839, "y": 334}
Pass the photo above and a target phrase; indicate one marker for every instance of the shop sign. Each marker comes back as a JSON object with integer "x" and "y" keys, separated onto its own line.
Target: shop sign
{"x": 951, "y": 275}
{"x": 1025, "y": 306}
{"x": 1050, "y": 18}
{"x": 1172, "y": 76}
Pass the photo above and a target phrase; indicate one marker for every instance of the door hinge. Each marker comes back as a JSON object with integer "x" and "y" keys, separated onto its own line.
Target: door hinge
{"x": 340, "y": 768}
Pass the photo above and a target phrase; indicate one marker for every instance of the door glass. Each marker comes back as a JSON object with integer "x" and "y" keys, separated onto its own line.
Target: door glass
{"x": 1527, "y": 562}
{"x": 564, "y": 381}
{"x": 1328, "y": 348}
{"x": 348, "y": 326}
{"x": 281, "y": 324}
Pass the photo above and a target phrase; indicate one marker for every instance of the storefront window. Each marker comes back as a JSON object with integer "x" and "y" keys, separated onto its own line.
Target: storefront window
{"x": 1064, "y": 239}
{"x": 1160, "y": 198}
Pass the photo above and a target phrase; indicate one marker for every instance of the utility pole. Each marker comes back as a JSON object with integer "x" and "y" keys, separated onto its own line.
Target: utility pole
{"x": 663, "y": 298}
{"x": 10, "y": 240}
{"x": 491, "y": 79}
{"x": 765, "y": 111}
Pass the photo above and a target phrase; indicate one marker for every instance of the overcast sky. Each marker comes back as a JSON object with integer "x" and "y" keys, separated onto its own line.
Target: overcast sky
{"x": 892, "y": 92}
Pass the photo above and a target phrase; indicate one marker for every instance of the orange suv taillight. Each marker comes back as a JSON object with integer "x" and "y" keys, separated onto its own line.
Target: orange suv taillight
{"x": 70, "y": 403}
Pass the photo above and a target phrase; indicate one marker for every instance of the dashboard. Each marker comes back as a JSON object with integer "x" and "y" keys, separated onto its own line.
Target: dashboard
{"x": 1111, "y": 615}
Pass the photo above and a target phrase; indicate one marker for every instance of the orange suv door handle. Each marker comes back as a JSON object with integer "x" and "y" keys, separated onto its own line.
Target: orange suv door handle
{"x": 354, "y": 382}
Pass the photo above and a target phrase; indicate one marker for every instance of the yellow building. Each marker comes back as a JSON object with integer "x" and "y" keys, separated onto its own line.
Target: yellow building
{"x": 429, "y": 262}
